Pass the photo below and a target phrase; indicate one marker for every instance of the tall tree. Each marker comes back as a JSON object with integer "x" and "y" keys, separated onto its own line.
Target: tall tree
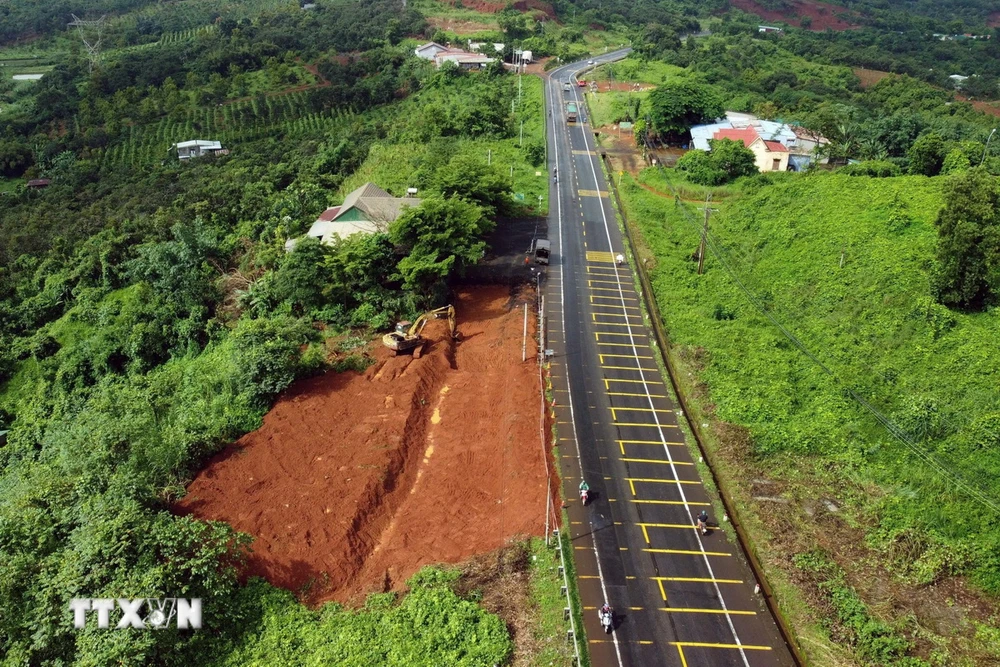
{"x": 677, "y": 105}
{"x": 440, "y": 236}
{"x": 968, "y": 253}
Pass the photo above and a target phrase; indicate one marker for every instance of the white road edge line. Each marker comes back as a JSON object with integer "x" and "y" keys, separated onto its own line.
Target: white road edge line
{"x": 554, "y": 89}
{"x": 659, "y": 427}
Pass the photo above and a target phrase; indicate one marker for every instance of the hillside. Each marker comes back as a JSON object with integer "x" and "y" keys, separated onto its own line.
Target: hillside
{"x": 843, "y": 263}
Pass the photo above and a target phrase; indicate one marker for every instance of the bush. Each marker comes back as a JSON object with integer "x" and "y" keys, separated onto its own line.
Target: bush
{"x": 872, "y": 169}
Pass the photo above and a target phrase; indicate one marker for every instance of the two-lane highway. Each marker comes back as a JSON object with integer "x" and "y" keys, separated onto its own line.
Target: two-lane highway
{"x": 680, "y": 598}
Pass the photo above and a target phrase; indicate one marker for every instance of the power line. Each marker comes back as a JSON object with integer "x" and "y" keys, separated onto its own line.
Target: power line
{"x": 714, "y": 245}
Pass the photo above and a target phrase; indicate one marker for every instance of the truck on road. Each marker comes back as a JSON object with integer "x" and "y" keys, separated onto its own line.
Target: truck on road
{"x": 570, "y": 112}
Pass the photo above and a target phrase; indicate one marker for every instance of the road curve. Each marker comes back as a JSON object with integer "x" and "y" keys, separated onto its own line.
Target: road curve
{"x": 680, "y": 598}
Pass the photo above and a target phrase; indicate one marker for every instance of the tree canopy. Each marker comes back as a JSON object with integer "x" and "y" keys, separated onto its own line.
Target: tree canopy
{"x": 676, "y": 106}
{"x": 968, "y": 253}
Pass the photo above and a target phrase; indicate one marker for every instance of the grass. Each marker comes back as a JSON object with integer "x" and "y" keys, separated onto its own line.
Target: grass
{"x": 546, "y": 592}
{"x": 437, "y": 9}
{"x": 608, "y": 107}
{"x": 637, "y": 71}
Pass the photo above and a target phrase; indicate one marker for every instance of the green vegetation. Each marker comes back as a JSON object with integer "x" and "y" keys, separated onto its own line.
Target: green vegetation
{"x": 429, "y": 626}
{"x": 969, "y": 247}
{"x": 727, "y": 161}
{"x": 874, "y": 642}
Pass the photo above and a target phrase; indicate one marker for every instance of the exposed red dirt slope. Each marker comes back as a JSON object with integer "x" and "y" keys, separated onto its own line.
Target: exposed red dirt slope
{"x": 356, "y": 480}
{"x": 823, "y": 15}
{"x": 492, "y": 7}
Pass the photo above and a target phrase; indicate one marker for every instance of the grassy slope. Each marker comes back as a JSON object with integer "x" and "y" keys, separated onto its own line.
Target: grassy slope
{"x": 873, "y": 323}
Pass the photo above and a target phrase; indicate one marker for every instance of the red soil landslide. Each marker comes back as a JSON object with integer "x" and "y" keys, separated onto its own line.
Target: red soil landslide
{"x": 356, "y": 480}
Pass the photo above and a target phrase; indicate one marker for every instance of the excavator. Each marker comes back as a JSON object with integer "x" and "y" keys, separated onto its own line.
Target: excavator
{"x": 407, "y": 336}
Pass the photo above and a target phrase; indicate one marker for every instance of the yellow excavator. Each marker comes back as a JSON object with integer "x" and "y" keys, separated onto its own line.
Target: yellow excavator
{"x": 407, "y": 336}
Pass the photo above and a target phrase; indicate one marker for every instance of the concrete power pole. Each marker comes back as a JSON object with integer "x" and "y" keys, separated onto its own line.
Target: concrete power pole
{"x": 704, "y": 235}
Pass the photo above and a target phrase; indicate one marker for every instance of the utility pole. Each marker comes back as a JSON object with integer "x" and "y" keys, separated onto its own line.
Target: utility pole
{"x": 90, "y": 33}
{"x": 704, "y": 235}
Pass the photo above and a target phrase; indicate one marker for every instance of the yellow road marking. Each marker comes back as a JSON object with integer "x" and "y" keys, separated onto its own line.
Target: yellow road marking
{"x": 618, "y": 333}
{"x": 676, "y": 463}
{"x": 639, "y": 501}
{"x": 584, "y": 153}
{"x": 620, "y": 297}
{"x": 680, "y": 650}
{"x": 604, "y": 282}
{"x": 648, "y": 442}
{"x": 686, "y": 552}
{"x": 700, "y": 580}
{"x": 607, "y": 380}
{"x": 617, "y": 423}
{"x": 592, "y": 193}
{"x": 624, "y": 356}
{"x": 622, "y": 393}
{"x": 608, "y": 305}
{"x": 608, "y": 289}
{"x": 622, "y": 345}
{"x": 748, "y": 647}
{"x": 613, "y": 410}
{"x": 602, "y": 256}
{"x": 685, "y": 610}
{"x": 613, "y": 324}
{"x": 629, "y": 368}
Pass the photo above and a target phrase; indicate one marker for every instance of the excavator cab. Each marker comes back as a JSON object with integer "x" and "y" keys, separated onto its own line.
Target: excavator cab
{"x": 407, "y": 338}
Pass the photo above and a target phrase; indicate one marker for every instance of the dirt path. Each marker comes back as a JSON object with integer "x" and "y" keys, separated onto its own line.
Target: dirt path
{"x": 355, "y": 481}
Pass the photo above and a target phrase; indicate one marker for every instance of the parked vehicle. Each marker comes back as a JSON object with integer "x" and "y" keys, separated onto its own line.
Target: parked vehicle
{"x": 542, "y": 250}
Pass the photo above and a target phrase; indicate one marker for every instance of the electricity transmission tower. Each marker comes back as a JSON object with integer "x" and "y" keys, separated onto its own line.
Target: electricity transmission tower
{"x": 90, "y": 34}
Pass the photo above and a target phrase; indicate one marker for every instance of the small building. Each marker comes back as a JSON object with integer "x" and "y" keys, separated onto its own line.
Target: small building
{"x": 463, "y": 59}
{"x": 367, "y": 210}
{"x": 198, "y": 148}
{"x": 769, "y": 155}
{"x": 958, "y": 80}
{"x": 38, "y": 183}
{"x": 769, "y": 28}
{"x": 429, "y": 50}
{"x": 479, "y": 46}
{"x": 807, "y": 142}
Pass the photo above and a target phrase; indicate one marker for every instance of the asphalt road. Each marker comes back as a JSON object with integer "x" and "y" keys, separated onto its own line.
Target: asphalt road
{"x": 680, "y": 598}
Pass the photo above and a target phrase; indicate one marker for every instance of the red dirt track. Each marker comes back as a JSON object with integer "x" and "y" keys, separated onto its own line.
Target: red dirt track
{"x": 356, "y": 480}
{"x": 823, "y": 15}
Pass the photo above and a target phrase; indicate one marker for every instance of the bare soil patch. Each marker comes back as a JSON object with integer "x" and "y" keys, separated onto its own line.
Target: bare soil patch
{"x": 459, "y": 27}
{"x": 531, "y": 6}
{"x": 356, "y": 480}
{"x": 621, "y": 149}
{"x": 822, "y": 14}
{"x": 869, "y": 77}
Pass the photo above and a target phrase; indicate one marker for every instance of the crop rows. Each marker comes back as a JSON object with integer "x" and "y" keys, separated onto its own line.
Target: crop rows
{"x": 232, "y": 125}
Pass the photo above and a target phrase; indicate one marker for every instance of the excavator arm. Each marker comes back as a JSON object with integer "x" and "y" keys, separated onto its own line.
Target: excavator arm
{"x": 398, "y": 342}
